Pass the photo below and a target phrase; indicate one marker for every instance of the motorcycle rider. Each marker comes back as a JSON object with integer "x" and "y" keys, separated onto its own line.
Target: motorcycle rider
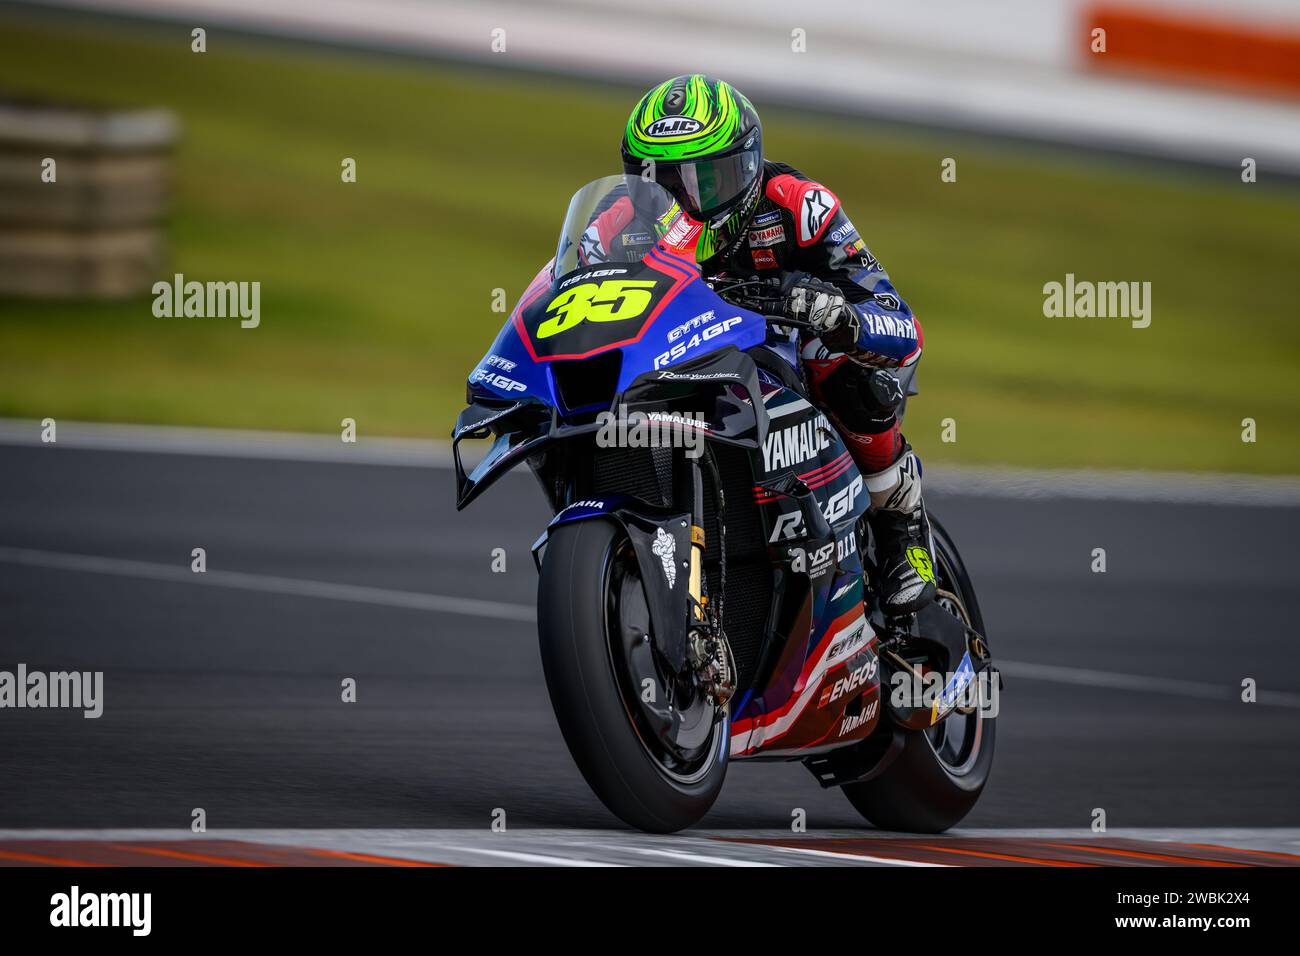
{"x": 700, "y": 139}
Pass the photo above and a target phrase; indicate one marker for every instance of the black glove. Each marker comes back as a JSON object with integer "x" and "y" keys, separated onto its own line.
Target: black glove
{"x": 824, "y": 307}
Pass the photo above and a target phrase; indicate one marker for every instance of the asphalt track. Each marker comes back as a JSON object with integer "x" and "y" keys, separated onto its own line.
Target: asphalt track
{"x": 222, "y": 691}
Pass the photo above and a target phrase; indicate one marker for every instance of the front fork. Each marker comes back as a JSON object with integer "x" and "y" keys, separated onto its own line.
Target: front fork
{"x": 708, "y": 648}
{"x": 690, "y": 487}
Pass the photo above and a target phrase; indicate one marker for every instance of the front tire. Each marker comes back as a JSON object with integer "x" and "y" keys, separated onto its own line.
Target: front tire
{"x": 587, "y": 594}
{"x": 940, "y": 773}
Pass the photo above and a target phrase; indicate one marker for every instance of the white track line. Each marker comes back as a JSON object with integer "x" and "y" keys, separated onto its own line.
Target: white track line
{"x": 1162, "y": 487}
{"x": 231, "y": 443}
{"x": 858, "y": 857}
{"x": 267, "y": 584}
{"x": 537, "y": 858}
{"x": 1087, "y": 484}
{"x": 447, "y": 604}
{"x": 681, "y": 856}
{"x": 1086, "y": 677}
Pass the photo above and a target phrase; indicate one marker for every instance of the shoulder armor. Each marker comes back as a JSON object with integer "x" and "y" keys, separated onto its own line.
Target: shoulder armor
{"x": 811, "y": 204}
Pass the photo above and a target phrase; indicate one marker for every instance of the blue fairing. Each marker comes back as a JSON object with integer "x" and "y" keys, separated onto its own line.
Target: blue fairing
{"x": 686, "y": 322}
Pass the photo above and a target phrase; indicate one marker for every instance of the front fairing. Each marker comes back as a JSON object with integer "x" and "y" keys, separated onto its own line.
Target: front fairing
{"x": 638, "y": 308}
{"x": 682, "y": 321}
{"x": 507, "y": 372}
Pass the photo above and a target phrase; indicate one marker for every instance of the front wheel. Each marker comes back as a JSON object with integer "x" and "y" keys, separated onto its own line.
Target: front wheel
{"x": 594, "y": 625}
{"x": 940, "y": 773}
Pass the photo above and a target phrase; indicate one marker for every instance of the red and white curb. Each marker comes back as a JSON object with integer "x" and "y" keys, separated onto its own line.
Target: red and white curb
{"x": 265, "y": 847}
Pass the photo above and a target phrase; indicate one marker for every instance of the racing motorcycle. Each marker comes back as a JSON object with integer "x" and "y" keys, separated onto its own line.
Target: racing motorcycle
{"x": 710, "y": 596}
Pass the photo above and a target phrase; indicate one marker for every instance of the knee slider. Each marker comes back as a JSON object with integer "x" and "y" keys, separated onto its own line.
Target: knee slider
{"x": 864, "y": 399}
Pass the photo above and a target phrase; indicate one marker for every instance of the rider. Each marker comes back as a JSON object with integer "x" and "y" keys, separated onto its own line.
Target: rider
{"x": 700, "y": 138}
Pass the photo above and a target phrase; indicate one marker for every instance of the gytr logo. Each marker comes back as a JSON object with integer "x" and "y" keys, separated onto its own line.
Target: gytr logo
{"x": 681, "y": 344}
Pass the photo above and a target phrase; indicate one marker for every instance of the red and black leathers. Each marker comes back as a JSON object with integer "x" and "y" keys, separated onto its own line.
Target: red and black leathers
{"x": 799, "y": 225}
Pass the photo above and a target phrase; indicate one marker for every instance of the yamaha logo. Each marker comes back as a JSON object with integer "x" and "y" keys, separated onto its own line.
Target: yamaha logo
{"x": 673, "y": 126}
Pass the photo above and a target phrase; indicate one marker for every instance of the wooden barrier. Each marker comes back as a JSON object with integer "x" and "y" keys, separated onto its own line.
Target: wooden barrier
{"x": 91, "y": 225}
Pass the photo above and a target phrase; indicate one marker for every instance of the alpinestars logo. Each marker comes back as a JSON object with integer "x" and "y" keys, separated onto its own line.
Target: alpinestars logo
{"x": 665, "y": 547}
{"x": 813, "y": 215}
{"x": 908, "y": 479}
{"x": 590, "y": 245}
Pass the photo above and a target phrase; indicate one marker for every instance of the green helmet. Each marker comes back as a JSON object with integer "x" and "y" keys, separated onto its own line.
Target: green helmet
{"x": 700, "y": 139}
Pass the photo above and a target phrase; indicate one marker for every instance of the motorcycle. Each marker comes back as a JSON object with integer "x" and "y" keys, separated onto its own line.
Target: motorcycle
{"x": 707, "y": 585}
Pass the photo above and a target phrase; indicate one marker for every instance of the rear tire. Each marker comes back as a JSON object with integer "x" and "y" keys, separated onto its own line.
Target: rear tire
{"x": 922, "y": 791}
{"x": 588, "y": 693}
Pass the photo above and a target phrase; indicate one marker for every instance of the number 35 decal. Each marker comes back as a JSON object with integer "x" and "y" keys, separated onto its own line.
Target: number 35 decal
{"x": 610, "y": 301}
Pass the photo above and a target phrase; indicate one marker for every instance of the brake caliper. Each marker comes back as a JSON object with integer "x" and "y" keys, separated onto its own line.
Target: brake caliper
{"x": 710, "y": 656}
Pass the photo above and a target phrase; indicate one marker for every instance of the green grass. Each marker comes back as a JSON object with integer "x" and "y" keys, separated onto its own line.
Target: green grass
{"x": 376, "y": 295}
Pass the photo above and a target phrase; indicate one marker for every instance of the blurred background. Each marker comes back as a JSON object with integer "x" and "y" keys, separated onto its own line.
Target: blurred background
{"x": 472, "y": 123}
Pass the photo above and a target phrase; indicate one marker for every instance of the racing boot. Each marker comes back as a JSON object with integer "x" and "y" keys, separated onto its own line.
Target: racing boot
{"x": 863, "y": 404}
{"x": 901, "y": 530}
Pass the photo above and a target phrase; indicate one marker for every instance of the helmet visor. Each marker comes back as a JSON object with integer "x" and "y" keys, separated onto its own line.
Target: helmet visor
{"x": 707, "y": 187}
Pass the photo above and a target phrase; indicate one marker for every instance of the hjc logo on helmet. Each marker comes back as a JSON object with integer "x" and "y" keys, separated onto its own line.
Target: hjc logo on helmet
{"x": 674, "y": 126}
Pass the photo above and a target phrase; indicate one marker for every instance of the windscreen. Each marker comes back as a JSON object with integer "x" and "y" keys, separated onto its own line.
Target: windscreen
{"x": 614, "y": 219}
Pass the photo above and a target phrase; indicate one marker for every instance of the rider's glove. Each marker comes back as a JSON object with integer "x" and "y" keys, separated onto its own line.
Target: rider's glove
{"x": 824, "y": 307}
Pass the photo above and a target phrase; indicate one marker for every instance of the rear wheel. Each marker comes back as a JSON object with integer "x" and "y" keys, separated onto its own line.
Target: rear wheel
{"x": 600, "y": 665}
{"x": 940, "y": 773}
